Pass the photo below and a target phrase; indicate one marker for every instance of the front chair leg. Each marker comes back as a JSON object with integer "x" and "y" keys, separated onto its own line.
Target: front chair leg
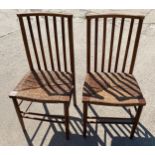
{"x": 136, "y": 120}
{"x": 85, "y": 111}
{"x": 18, "y": 113}
{"x": 66, "y": 112}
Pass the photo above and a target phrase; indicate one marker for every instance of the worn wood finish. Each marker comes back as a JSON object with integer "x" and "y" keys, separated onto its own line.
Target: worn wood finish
{"x": 71, "y": 45}
{"x": 56, "y": 42}
{"x": 26, "y": 43}
{"x": 111, "y": 44}
{"x": 44, "y": 14}
{"x": 85, "y": 112}
{"x": 41, "y": 42}
{"x": 38, "y": 114}
{"x": 139, "y": 111}
{"x": 136, "y": 46}
{"x": 33, "y": 42}
{"x": 115, "y": 15}
{"x": 64, "y": 43}
{"x": 111, "y": 87}
{"x": 46, "y": 84}
{"x": 41, "y": 119}
{"x": 128, "y": 44}
{"x": 66, "y": 113}
{"x": 119, "y": 44}
{"x": 88, "y": 44}
{"x": 104, "y": 43}
{"x": 15, "y": 102}
{"x": 49, "y": 42}
{"x": 111, "y": 120}
{"x": 96, "y": 45}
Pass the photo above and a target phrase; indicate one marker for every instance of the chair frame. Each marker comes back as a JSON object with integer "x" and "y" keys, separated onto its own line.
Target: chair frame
{"x": 65, "y": 117}
{"x": 138, "y": 109}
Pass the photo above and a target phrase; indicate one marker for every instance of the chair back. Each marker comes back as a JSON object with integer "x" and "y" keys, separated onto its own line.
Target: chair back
{"x": 112, "y": 42}
{"x": 48, "y": 40}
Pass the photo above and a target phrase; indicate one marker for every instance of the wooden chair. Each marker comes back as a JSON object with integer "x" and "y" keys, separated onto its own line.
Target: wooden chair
{"x": 50, "y": 57}
{"x": 110, "y": 63}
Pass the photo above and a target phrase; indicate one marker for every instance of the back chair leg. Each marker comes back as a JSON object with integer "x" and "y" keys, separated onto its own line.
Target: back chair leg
{"x": 74, "y": 96}
{"x": 18, "y": 113}
{"x": 136, "y": 120}
{"x": 85, "y": 111}
{"x": 66, "y": 112}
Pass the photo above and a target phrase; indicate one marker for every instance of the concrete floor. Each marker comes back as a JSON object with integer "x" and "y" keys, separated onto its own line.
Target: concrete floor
{"x": 14, "y": 65}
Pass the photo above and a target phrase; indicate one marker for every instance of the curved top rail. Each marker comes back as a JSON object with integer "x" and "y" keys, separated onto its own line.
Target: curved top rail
{"x": 115, "y": 15}
{"x": 43, "y": 14}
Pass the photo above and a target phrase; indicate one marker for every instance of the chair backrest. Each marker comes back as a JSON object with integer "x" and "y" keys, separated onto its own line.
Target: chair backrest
{"x": 48, "y": 40}
{"x": 112, "y": 42}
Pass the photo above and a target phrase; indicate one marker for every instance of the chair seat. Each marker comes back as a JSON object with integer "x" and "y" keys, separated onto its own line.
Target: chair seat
{"x": 112, "y": 89}
{"x": 45, "y": 86}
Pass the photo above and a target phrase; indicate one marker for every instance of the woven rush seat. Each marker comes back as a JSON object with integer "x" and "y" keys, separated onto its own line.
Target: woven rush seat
{"x": 112, "y": 89}
{"x": 45, "y": 86}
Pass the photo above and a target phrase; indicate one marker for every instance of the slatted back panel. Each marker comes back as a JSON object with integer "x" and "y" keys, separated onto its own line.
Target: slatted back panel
{"x": 48, "y": 40}
{"x": 112, "y": 42}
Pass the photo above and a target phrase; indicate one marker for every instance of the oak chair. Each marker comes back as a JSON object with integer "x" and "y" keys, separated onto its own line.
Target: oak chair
{"x": 50, "y": 56}
{"x": 112, "y": 43}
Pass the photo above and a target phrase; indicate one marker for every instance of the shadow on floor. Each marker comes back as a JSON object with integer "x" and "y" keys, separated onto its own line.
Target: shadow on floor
{"x": 142, "y": 136}
{"x": 59, "y": 139}
{"x": 75, "y": 140}
{"x": 119, "y": 134}
{"x": 119, "y": 141}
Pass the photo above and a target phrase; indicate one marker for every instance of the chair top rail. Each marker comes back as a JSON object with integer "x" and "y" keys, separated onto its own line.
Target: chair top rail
{"x": 44, "y": 14}
{"x": 115, "y": 15}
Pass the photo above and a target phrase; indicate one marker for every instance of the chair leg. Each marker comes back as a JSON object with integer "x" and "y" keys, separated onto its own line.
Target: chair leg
{"x": 74, "y": 96}
{"x": 19, "y": 114}
{"x": 66, "y": 112}
{"x": 136, "y": 120}
{"x": 85, "y": 110}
